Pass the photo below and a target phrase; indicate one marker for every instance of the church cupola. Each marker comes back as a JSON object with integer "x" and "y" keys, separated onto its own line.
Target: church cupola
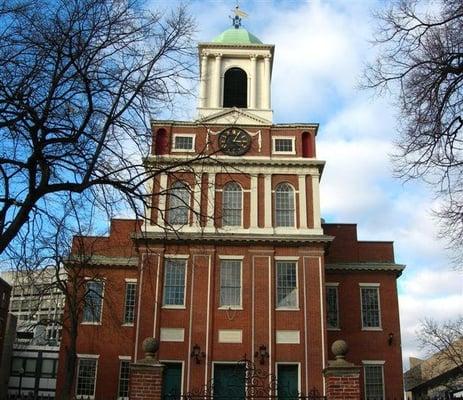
{"x": 236, "y": 71}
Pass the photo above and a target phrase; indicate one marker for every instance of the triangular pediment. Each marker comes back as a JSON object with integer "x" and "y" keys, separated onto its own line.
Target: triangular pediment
{"x": 233, "y": 116}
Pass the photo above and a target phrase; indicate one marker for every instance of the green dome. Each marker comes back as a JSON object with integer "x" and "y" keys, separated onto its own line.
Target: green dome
{"x": 236, "y": 36}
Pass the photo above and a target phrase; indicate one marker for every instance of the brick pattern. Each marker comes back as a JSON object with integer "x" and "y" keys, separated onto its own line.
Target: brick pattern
{"x": 145, "y": 382}
{"x": 343, "y": 387}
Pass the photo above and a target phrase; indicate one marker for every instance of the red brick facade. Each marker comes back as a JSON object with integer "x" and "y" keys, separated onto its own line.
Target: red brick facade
{"x": 274, "y": 286}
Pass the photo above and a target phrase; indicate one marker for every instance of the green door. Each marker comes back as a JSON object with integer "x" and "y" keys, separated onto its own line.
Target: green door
{"x": 172, "y": 381}
{"x": 229, "y": 382}
{"x": 288, "y": 378}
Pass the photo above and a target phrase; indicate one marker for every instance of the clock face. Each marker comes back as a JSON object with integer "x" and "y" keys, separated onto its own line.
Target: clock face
{"x": 234, "y": 141}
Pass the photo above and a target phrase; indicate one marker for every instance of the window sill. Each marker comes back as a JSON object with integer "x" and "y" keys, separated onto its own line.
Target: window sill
{"x": 173, "y": 307}
{"x": 373, "y": 328}
{"x": 287, "y": 309}
{"x": 284, "y": 153}
{"x": 227, "y": 308}
{"x": 128, "y": 325}
{"x": 333, "y": 329}
{"x": 183, "y": 150}
{"x": 90, "y": 323}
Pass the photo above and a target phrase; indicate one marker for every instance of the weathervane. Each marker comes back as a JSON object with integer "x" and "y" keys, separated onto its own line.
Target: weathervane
{"x": 238, "y": 15}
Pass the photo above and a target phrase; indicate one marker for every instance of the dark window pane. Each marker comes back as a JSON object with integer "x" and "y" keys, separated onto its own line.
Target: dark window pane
{"x": 235, "y": 92}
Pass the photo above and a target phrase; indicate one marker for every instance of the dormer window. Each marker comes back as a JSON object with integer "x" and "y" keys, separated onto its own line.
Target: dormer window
{"x": 183, "y": 142}
{"x": 235, "y": 92}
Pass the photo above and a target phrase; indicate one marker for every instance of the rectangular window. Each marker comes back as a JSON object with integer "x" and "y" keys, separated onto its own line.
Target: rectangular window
{"x": 283, "y": 145}
{"x": 124, "y": 369}
{"x": 286, "y": 284}
{"x": 86, "y": 375}
{"x": 230, "y": 283}
{"x": 370, "y": 307}
{"x": 93, "y": 302}
{"x": 49, "y": 368}
{"x": 332, "y": 314}
{"x": 174, "y": 282}
{"x": 129, "y": 305}
{"x": 374, "y": 385}
{"x": 184, "y": 142}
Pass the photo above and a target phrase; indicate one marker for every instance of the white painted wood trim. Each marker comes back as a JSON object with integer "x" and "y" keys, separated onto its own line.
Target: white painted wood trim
{"x": 162, "y": 199}
{"x": 268, "y": 200}
{"x": 254, "y": 202}
{"x": 316, "y": 201}
{"x": 210, "y": 200}
{"x": 302, "y": 202}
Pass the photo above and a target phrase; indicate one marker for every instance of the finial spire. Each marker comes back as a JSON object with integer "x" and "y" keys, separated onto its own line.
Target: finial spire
{"x": 238, "y": 15}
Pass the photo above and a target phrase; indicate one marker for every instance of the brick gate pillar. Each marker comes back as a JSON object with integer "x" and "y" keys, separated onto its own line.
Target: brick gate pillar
{"x": 342, "y": 378}
{"x": 146, "y": 374}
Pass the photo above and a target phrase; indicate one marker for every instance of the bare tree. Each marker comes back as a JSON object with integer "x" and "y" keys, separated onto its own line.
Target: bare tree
{"x": 420, "y": 61}
{"x": 79, "y": 82}
{"x": 442, "y": 372}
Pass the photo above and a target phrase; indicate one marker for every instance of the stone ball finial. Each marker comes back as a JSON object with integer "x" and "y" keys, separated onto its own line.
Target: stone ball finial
{"x": 150, "y": 347}
{"x": 340, "y": 349}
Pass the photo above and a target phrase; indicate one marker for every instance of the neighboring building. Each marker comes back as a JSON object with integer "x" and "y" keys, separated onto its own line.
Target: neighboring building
{"x": 439, "y": 377}
{"x": 38, "y": 306}
{"x": 235, "y": 261}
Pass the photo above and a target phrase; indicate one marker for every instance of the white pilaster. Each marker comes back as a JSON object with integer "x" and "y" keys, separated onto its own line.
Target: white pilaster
{"x": 302, "y": 202}
{"x": 268, "y": 200}
{"x": 197, "y": 203}
{"x": 316, "y": 201}
{"x": 253, "y": 82}
{"x": 266, "y": 85}
{"x": 217, "y": 80}
{"x": 254, "y": 202}
{"x": 210, "y": 200}
{"x": 202, "y": 84}
{"x": 162, "y": 199}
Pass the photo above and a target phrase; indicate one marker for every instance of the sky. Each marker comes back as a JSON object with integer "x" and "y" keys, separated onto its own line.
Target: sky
{"x": 321, "y": 48}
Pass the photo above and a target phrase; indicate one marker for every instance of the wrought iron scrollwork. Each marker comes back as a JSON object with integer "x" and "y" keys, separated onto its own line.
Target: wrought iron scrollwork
{"x": 258, "y": 385}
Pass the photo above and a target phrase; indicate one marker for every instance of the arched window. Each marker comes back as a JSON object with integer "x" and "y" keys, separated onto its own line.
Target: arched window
{"x": 235, "y": 90}
{"x": 284, "y": 205}
{"x": 179, "y": 204}
{"x": 232, "y": 204}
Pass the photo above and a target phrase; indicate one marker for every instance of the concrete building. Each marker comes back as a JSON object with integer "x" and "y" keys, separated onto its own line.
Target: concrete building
{"x": 38, "y": 307}
{"x": 234, "y": 261}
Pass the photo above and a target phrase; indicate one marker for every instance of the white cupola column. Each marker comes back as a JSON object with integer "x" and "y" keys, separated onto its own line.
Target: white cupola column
{"x": 217, "y": 80}
{"x": 253, "y": 81}
{"x": 266, "y": 85}
{"x": 202, "y": 84}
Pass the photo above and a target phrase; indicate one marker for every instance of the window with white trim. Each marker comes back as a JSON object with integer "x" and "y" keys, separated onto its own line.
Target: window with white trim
{"x": 86, "y": 376}
{"x": 179, "y": 204}
{"x": 93, "y": 302}
{"x": 283, "y": 145}
{"x": 129, "y": 304}
{"x": 232, "y": 204}
{"x": 174, "y": 282}
{"x": 332, "y": 312}
{"x": 284, "y": 205}
{"x": 230, "y": 283}
{"x": 184, "y": 142}
{"x": 286, "y": 276}
{"x": 374, "y": 384}
{"x": 124, "y": 370}
{"x": 370, "y": 307}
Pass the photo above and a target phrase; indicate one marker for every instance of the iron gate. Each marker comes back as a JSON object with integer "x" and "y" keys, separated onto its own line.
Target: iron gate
{"x": 255, "y": 384}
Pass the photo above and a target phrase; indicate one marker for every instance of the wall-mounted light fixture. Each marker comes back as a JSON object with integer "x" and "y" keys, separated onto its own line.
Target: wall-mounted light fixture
{"x": 390, "y": 339}
{"x": 197, "y": 354}
{"x": 262, "y": 353}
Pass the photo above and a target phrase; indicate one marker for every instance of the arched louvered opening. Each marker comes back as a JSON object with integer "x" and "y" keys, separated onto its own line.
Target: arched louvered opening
{"x": 235, "y": 92}
{"x": 161, "y": 144}
{"x": 179, "y": 204}
{"x": 284, "y": 205}
{"x": 232, "y": 204}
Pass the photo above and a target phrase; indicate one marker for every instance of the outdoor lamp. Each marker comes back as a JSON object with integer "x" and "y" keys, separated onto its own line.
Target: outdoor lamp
{"x": 197, "y": 354}
{"x": 262, "y": 353}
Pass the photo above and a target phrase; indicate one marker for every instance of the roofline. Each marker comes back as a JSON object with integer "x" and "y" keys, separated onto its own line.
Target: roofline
{"x": 264, "y": 46}
{"x": 366, "y": 266}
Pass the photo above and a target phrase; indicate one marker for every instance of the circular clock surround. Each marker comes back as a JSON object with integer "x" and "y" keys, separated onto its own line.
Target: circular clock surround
{"x": 234, "y": 141}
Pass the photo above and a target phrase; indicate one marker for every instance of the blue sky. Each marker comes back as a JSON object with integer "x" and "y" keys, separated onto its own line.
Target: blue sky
{"x": 321, "y": 49}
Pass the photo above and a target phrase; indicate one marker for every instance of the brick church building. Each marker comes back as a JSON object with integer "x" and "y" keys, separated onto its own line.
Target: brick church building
{"x": 234, "y": 260}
